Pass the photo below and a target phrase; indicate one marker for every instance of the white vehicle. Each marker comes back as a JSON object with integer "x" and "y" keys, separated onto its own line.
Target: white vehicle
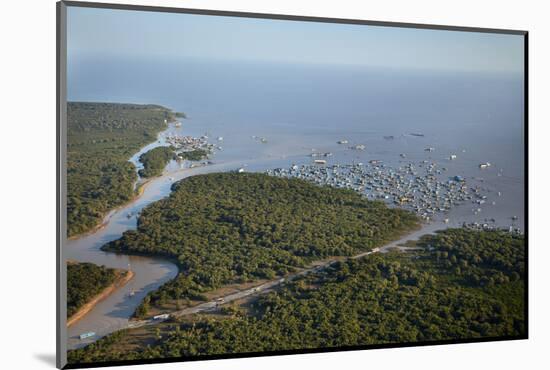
{"x": 87, "y": 335}
{"x": 161, "y": 317}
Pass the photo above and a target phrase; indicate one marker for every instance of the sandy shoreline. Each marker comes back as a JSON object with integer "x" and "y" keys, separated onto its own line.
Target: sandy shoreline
{"x": 119, "y": 282}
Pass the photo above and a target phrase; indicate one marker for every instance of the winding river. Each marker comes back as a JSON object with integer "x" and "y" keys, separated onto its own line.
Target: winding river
{"x": 113, "y": 313}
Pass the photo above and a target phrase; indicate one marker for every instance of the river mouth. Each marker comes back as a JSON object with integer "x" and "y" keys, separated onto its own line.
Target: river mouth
{"x": 113, "y": 313}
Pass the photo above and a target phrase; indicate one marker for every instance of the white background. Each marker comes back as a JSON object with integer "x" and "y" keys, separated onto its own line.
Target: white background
{"x": 27, "y": 186}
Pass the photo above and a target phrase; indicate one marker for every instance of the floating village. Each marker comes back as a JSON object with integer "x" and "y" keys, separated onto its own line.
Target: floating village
{"x": 405, "y": 186}
{"x": 423, "y": 187}
{"x": 182, "y": 144}
{"x": 190, "y": 143}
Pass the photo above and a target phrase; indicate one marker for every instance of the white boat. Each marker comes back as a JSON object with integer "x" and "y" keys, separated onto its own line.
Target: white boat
{"x": 87, "y": 335}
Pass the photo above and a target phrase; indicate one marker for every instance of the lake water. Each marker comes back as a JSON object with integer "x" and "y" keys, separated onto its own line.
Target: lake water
{"x": 477, "y": 116}
{"x": 297, "y": 108}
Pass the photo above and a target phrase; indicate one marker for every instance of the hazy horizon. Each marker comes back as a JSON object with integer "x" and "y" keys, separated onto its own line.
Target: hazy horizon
{"x": 107, "y": 33}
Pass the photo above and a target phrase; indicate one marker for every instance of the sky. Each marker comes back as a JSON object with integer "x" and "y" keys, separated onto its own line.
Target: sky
{"x": 107, "y": 33}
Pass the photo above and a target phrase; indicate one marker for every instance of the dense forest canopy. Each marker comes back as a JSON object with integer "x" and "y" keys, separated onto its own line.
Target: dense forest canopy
{"x": 101, "y": 138}
{"x": 155, "y": 160}
{"x": 478, "y": 258}
{"x": 231, "y": 228}
{"x": 85, "y": 281}
{"x": 382, "y": 298}
{"x": 194, "y": 155}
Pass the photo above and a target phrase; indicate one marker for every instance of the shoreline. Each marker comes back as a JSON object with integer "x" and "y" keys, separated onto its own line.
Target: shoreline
{"x": 138, "y": 192}
{"x": 110, "y": 213}
{"x": 118, "y": 283}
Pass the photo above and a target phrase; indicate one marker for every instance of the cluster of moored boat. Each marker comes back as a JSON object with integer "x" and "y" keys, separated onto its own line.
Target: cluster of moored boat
{"x": 489, "y": 225}
{"x": 421, "y": 187}
{"x": 189, "y": 143}
{"x": 412, "y": 186}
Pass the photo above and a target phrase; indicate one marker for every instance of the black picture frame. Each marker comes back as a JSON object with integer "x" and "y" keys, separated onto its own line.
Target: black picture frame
{"x": 61, "y": 107}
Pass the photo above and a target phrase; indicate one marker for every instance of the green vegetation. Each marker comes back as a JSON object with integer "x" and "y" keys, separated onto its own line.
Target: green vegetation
{"x": 478, "y": 259}
{"x": 194, "y": 155}
{"x": 232, "y": 228}
{"x": 180, "y": 115}
{"x": 101, "y": 138}
{"x": 392, "y": 298}
{"x": 85, "y": 281}
{"x": 155, "y": 160}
